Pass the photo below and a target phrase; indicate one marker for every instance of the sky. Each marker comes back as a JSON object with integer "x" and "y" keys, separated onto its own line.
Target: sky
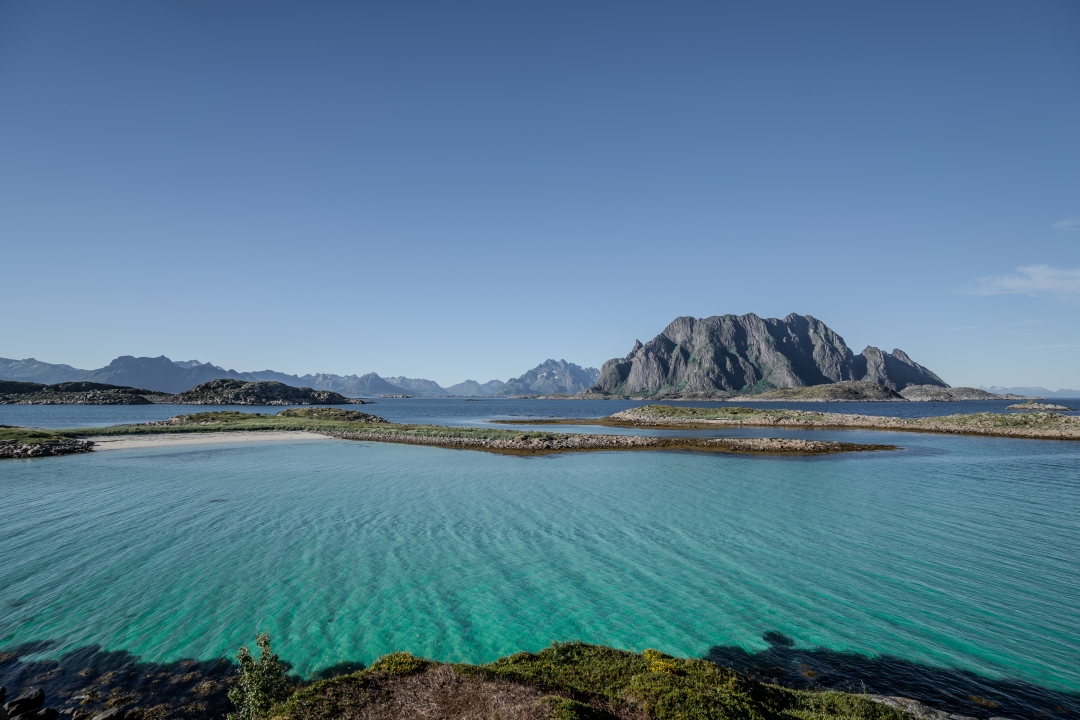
{"x": 463, "y": 190}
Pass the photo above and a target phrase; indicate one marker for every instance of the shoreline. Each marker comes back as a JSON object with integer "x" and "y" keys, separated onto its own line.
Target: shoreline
{"x": 1031, "y": 426}
{"x": 543, "y": 445}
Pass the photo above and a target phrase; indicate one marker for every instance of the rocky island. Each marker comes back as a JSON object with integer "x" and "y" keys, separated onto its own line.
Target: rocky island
{"x": 1039, "y": 425}
{"x": 745, "y": 357}
{"x": 215, "y": 392}
{"x": 354, "y": 425}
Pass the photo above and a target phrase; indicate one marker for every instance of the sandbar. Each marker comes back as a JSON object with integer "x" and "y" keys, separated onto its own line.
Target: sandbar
{"x": 125, "y": 442}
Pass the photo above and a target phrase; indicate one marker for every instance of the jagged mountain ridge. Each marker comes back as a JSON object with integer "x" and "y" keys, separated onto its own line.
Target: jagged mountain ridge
{"x": 550, "y": 377}
{"x": 739, "y": 354}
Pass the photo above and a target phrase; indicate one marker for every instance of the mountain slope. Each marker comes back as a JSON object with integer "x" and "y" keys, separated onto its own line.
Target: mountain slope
{"x": 550, "y": 377}
{"x": 31, "y": 370}
{"x": 471, "y": 388}
{"x": 746, "y": 353}
{"x": 418, "y": 386}
{"x": 160, "y": 374}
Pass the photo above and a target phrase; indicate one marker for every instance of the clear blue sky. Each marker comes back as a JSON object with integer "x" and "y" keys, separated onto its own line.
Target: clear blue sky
{"x": 452, "y": 190}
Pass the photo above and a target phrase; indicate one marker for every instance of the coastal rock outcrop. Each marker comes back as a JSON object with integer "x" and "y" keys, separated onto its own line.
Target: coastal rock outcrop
{"x": 72, "y": 393}
{"x": 238, "y": 392}
{"x": 43, "y": 448}
{"x": 746, "y": 354}
{"x": 936, "y": 393}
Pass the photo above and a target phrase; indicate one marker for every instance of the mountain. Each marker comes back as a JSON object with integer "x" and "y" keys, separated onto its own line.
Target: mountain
{"x": 160, "y": 374}
{"x": 31, "y": 370}
{"x": 727, "y": 354}
{"x": 1034, "y": 392}
{"x": 550, "y": 377}
{"x": 471, "y": 388}
{"x": 417, "y": 386}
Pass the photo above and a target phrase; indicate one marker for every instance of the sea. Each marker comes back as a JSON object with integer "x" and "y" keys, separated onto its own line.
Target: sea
{"x": 947, "y": 570}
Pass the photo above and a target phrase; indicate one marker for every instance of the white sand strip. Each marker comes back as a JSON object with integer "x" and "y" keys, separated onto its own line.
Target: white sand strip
{"x": 124, "y": 442}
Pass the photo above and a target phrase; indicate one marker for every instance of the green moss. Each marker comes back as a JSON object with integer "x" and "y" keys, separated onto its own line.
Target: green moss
{"x": 400, "y": 663}
{"x": 593, "y": 679}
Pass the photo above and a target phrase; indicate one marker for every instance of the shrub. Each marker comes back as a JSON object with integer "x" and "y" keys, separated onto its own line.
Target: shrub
{"x": 261, "y": 684}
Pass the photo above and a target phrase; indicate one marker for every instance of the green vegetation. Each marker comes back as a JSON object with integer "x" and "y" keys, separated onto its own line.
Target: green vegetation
{"x": 574, "y": 681}
{"x": 260, "y": 684}
{"x": 32, "y": 436}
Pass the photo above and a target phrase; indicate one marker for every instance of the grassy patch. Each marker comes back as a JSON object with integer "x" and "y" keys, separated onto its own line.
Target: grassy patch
{"x": 23, "y": 436}
{"x": 589, "y": 682}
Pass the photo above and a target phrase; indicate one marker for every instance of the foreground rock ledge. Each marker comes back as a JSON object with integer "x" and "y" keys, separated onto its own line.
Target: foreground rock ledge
{"x": 15, "y": 449}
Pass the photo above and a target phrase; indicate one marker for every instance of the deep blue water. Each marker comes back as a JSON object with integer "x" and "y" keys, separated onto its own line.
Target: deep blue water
{"x": 956, "y": 553}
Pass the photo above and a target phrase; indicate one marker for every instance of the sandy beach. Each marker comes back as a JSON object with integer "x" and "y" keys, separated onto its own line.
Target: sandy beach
{"x": 125, "y": 442}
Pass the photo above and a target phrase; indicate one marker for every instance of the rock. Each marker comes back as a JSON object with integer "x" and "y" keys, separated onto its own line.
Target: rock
{"x": 114, "y": 714}
{"x": 731, "y": 354}
{"x": 1036, "y": 407}
{"x": 916, "y": 708}
{"x": 41, "y": 714}
{"x": 936, "y": 393}
{"x": 29, "y": 700}
{"x": 44, "y": 448}
{"x": 239, "y": 392}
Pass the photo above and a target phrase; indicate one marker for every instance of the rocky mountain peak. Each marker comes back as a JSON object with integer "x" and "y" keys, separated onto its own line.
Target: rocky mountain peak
{"x": 746, "y": 353}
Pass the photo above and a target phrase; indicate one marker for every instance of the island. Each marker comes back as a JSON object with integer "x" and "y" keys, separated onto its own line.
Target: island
{"x": 355, "y": 425}
{"x": 1039, "y": 425}
{"x": 223, "y": 391}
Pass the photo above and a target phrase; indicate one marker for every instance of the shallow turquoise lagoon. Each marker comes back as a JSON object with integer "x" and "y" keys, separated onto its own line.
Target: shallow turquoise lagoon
{"x": 956, "y": 552}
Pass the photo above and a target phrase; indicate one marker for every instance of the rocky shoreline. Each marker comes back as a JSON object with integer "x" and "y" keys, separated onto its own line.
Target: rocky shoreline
{"x": 584, "y": 443}
{"x": 593, "y": 681}
{"x": 15, "y": 449}
{"x": 1036, "y": 425}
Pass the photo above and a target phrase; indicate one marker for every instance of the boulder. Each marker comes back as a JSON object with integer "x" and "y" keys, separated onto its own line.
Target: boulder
{"x": 30, "y": 700}
{"x": 39, "y": 714}
{"x": 114, "y": 714}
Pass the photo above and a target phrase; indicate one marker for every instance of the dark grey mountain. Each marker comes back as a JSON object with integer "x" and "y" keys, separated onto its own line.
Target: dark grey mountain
{"x": 160, "y": 374}
{"x": 549, "y": 378}
{"x": 736, "y": 354}
{"x": 471, "y": 388}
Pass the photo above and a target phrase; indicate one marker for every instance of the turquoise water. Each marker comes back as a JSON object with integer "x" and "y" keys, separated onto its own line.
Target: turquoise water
{"x": 954, "y": 553}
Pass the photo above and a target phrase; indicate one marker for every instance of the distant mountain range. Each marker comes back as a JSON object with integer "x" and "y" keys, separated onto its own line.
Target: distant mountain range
{"x": 1034, "y": 392}
{"x": 746, "y": 354}
{"x": 551, "y": 377}
{"x": 164, "y": 375}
